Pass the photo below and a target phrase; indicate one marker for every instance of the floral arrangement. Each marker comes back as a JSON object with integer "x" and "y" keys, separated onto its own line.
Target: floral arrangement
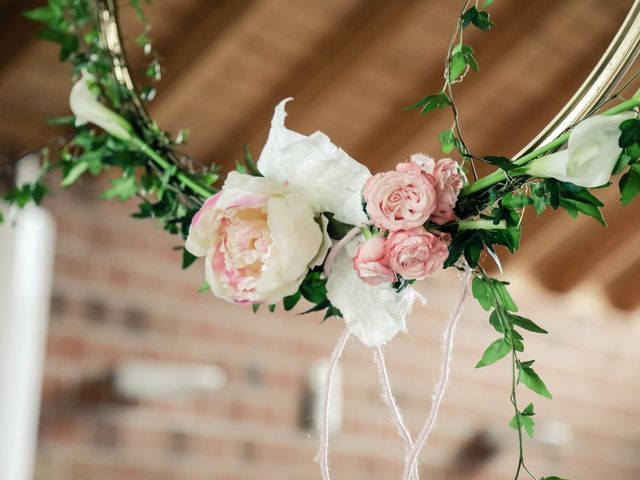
{"x": 307, "y": 221}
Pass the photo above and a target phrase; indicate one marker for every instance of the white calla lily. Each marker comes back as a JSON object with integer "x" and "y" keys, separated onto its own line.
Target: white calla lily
{"x": 590, "y": 156}
{"x": 87, "y": 109}
{"x": 324, "y": 174}
{"x": 374, "y": 314}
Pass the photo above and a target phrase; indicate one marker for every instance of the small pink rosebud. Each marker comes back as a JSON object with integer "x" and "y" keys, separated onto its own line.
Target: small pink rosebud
{"x": 370, "y": 264}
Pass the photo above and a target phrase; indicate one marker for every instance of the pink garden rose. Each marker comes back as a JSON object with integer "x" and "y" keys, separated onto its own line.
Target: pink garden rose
{"x": 370, "y": 263}
{"x": 259, "y": 239}
{"x": 400, "y": 199}
{"x": 415, "y": 254}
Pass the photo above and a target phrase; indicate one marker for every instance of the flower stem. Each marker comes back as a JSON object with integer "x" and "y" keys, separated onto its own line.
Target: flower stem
{"x": 500, "y": 175}
{"x": 481, "y": 225}
{"x": 163, "y": 163}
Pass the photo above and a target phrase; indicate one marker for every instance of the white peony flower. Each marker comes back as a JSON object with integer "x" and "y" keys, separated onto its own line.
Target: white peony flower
{"x": 374, "y": 314}
{"x": 259, "y": 237}
{"x": 87, "y": 109}
{"x": 325, "y": 175}
{"x": 590, "y": 156}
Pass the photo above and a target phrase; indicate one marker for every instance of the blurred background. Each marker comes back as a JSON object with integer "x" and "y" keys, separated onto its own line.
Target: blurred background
{"x": 142, "y": 377}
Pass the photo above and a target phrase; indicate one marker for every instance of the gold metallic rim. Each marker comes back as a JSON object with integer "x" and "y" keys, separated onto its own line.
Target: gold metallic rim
{"x": 600, "y": 83}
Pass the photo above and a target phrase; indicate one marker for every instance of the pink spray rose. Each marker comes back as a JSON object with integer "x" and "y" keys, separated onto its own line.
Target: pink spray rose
{"x": 415, "y": 254}
{"x": 448, "y": 182}
{"x": 400, "y": 199}
{"x": 370, "y": 263}
{"x": 259, "y": 239}
{"x": 448, "y": 185}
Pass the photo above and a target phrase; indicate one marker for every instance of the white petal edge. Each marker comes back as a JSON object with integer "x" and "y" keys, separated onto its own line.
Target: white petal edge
{"x": 594, "y": 150}
{"x": 374, "y": 314}
{"x": 312, "y": 165}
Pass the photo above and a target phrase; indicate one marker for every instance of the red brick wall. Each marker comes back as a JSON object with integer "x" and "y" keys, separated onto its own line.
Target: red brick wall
{"x": 119, "y": 294}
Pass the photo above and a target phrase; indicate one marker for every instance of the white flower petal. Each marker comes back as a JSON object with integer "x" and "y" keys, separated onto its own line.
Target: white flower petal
{"x": 590, "y": 156}
{"x": 87, "y": 109}
{"x": 326, "y": 243}
{"x": 374, "y": 314}
{"x": 593, "y": 149}
{"x": 553, "y": 165}
{"x": 296, "y": 237}
{"x": 328, "y": 177}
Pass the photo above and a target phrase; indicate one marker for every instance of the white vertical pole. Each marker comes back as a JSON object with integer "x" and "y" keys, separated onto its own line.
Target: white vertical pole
{"x": 26, "y": 268}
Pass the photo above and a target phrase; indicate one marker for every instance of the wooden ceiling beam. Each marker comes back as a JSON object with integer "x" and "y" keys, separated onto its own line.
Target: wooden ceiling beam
{"x": 188, "y": 59}
{"x": 208, "y": 24}
{"x": 623, "y": 290}
{"x": 306, "y": 82}
{"x": 398, "y": 129}
{"x": 589, "y": 245}
{"x": 16, "y": 31}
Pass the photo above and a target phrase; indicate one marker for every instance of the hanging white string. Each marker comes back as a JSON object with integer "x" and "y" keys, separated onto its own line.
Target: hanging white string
{"x": 389, "y": 400}
{"x": 339, "y": 245}
{"x": 323, "y": 453}
{"x": 411, "y": 460}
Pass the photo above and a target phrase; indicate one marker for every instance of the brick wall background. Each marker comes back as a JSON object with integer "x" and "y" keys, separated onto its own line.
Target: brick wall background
{"x": 119, "y": 294}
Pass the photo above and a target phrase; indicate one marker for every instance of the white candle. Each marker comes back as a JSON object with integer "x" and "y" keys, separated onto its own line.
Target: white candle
{"x": 26, "y": 267}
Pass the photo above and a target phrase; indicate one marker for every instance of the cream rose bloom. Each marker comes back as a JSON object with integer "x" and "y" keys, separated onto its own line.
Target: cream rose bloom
{"x": 259, "y": 238}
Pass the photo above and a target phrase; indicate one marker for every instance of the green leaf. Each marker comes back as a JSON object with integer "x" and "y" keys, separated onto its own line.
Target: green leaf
{"x": 486, "y": 3}
{"x": 552, "y": 478}
{"x": 337, "y": 229}
{"x": 482, "y": 292}
{"x": 187, "y": 258}
{"x": 630, "y": 185}
{"x": 514, "y": 202}
{"x": 526, "y": 324}
{"x": 68, "y": 41}
{"x": 240, "y": 167}
{"x": 38, "y": 191}
{"x": 496, "y": 321}
{"x": 528, "y": 410}
{"x": 574, "y": 206}
{"x": 205, "y": 287}
{"x": 42, "y": 14}
{"x": 501, "y": 162}
{"x": 630, "y": 133}
{"x": 122, "y": 188}
{"x": 478, "y": 18}
{"x": 291, "y": 301}
{"x": 75, "y": 173}
{"x": 526, "y": 422}
{"x": 447, "y": 140}
{"x": 530, "y": 379}
{"x": 430, "y": 102}
{"x": 255, "y": 307}
{"x": 18, "y": 196}
{"x": 457, "y": 66}
{"x": 66, "y": 120}
{"x": 248, "y": 160}
{"x": 272, "y": 308}
{"x": 504, "y": 298}
{"x": 494, "y": 352}
{"x": 473, "y": 249}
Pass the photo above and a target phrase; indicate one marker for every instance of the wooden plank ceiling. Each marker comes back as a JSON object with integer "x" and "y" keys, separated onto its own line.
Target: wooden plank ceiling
{"x": 351, "y": 66}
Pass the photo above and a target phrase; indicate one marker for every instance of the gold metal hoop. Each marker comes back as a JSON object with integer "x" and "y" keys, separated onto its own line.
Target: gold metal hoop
{"x": 600, "y": 83}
